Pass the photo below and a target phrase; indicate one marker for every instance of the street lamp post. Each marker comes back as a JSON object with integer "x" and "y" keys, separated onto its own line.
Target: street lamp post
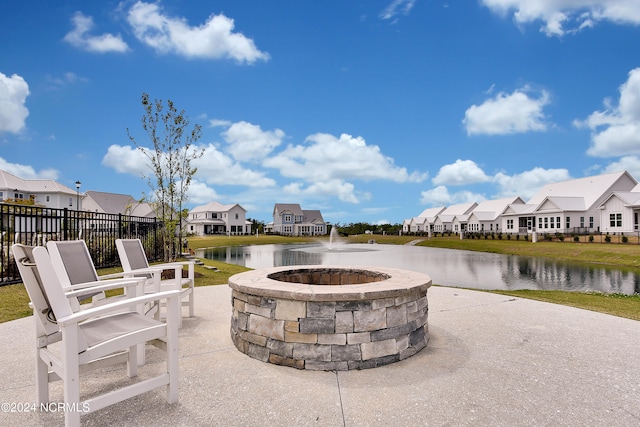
{"x": 78, "y": 184}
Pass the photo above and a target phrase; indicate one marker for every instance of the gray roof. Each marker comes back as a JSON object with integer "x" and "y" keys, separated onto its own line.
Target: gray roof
{"x": 312, "y": 215}
{"x": 11, "y": 182}
{"x": 114, "y": 203}
{"x": 216, "y": 207}
{"x": 294, "y": 208}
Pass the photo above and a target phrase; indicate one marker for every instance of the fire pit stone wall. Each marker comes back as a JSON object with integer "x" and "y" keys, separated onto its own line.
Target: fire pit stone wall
{"x": 329, "y": 318}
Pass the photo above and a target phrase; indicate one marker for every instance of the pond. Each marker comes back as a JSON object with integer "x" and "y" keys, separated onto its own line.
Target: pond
{"x": 446, "y": 267}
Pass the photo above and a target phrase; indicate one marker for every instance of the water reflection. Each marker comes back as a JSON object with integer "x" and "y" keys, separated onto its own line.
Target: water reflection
{"x": 445, "y": 266}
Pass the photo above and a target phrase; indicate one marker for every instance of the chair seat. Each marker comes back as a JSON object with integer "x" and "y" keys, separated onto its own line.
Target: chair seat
{"x": 105, "y": 328}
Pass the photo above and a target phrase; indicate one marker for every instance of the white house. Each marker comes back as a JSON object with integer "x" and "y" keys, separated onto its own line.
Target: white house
{"x": 487, "y": 216}
{"x": 42, "y": 192}
{"x": 425, "y": 221}
{"x": 444, "y": 220}
{"x": 519, "y": 218}
{"x": 216, "y": 218}
{"x": 619, "y": 212}
{"x": 289, "y": 219}
{"x": 573, "y": 205}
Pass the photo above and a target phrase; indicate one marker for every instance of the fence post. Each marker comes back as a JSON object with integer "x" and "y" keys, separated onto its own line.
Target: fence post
{"x": 119, "y": 226}
{"x": 65, "y": 224}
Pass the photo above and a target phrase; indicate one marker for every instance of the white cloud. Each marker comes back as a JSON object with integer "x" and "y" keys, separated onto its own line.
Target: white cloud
{"x": 66, "y": 79}
{"x": 507, "y": 113}
{"x": 215, "y": 167}
{"x": 397, "y": 7}
{"x": 462, "y": 172}
{"x": 616, "y": 130}
{"x": 27, "y": 172}
{"x": 13, "y": 95}
{"x": 126, "y": 159}
{"x": 249, "y": 143}
{"x": 214, "y": 39}
{"x": 440, "y": 196}
{"x": 527, "y": 183}
{"x": 328, "y": 165}
{"x": 80, "y": 38}
{"x": 344, "y": 191}
{"x": 630, "y": 164}
{"x": 325, "y": 157}
{"x": 219, "y": 123}
{"x": 199, "y": 193}
{"x": 557, "y": 15}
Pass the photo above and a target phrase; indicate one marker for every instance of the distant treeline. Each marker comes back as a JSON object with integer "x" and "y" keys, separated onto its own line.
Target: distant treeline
{"x": 363, "y": 227}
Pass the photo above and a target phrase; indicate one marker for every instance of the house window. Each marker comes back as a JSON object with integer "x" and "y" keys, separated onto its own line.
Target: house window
{"x": 539, "y": 222}
{"x": 70, "y": 201}
{"x": 568, "y": 223}
{"x": 287, "y": 218}
{"x": 581, "y": 222}
{"x": 557, "y": 221}
{"x": 1, "y": 196}
{"x": 509, "y": 224}
{"x": 590, "y": 222}
{"x": 615, "y": 220}
{"x": 236, "y": 216}
{"x": 635, "y": 220}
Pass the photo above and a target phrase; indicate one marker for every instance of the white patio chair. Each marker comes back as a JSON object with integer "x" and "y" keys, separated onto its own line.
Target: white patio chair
{"x": 93, "y": 338}
{"x": 134, "y": 261}
{"x": 73, "y": 265}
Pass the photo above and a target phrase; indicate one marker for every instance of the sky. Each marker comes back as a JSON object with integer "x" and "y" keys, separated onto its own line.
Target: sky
{"x": 369, "y": 110}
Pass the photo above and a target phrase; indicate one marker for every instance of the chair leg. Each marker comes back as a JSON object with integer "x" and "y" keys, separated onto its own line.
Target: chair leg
{"x": 191, "y": 302}
{"x": 42, "y": 379}
{"x": 174, "y": 315}
{"x": 133, "y": 360}
{"x": 71, "y": 376}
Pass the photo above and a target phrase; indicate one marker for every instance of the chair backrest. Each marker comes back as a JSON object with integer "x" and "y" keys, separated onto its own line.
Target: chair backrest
{"x": 55, "y": 294}
{"x": 73, "y": 265}
{"x": 42, "y": 310}
{"x": 72, "y": 262}
{"x": 131, "y": 253}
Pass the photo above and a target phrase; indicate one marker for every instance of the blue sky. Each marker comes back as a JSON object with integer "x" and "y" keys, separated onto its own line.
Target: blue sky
{"x": 367, "y": 110}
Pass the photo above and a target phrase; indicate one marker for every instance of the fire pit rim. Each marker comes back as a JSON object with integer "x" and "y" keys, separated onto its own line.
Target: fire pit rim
{"x": 257, "y": 282}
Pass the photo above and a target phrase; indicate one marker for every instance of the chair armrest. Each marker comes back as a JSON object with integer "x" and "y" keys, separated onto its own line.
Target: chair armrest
{"x": 173, "y": 296}
{"x": 112, "y": 276}
{"x": 90, "y": 288}
{"x": 173, "y": 265}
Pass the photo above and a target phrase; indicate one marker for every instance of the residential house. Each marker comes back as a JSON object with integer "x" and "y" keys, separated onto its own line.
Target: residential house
{"x": 216, "y": 218}
{"x": 620, "y": 211}
{"x": 487, "y": 216}
{"x": 41, "y": 192}
{"x": 444, "y": 221}
{"x": 519, "y": 218}
{"x": 573, "y": 206}
{"x": 113, "y": 203}
{"x": 424, "y": 222}
{"x": 289, "y": 219}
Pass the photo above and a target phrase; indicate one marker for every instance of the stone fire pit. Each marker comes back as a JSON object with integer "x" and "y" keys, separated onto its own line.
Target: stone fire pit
{"x": 329, "y": 317}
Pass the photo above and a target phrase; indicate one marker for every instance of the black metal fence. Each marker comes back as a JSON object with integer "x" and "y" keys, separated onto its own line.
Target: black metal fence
{"x": 33, "y": 225}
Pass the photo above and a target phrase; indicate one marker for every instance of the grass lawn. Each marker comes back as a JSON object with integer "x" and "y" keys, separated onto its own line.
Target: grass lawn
{"x": 14, "y": 299}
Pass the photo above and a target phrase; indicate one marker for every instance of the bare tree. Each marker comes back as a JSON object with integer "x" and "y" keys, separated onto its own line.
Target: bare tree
{"x": 170, "y": 161}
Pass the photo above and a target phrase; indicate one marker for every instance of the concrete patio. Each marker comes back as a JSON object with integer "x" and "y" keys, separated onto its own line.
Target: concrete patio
{"x": 492, "y": 360}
